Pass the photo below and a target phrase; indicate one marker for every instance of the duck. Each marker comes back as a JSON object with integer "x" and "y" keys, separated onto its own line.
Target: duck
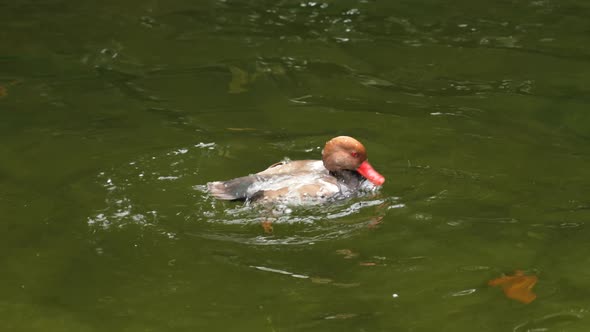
{"x": 342, "y": 173}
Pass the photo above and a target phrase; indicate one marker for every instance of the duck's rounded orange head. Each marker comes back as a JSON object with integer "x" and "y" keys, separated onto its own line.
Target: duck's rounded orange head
{"x": 346, "y": 153}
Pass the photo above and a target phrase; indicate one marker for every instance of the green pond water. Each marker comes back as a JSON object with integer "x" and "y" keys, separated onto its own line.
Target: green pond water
{"x": 114, "y": 114}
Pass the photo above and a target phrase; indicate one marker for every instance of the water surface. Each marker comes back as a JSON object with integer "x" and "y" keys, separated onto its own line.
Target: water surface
{"x": 115, "y": 115}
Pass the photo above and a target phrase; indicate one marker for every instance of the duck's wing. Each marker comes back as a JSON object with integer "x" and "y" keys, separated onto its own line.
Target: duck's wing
{"x": 294, "y": 167}
{"x": 277, "y": 180}
{"x": 237, "y": 189}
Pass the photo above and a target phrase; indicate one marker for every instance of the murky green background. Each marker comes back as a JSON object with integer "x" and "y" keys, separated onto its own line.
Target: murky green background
{"x": 112, "y": 114}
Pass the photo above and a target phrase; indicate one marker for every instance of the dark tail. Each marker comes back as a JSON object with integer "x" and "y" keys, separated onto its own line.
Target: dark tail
{"x": 235, "y": 189}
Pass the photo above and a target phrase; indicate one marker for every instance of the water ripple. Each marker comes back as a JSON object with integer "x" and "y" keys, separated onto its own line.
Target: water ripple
{"x": 158, "y": 192}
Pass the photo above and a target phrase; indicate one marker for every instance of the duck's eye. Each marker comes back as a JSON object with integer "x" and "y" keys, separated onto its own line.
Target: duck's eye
{"x": 354, "y": 154}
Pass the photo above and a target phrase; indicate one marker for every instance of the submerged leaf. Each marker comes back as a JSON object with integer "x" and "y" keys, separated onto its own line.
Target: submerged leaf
{"x": 341, "y": 316}
{"x": 375, "y": 222}
{"x": 346, "y": 285}
{"x": 317, "y": 280}
{"x": 517, "y": 287}
{"x": 267, "y": 226}
{"x": 367, "y": 264}
{"x": 347, "y": 253}
{"x": 4, "y": 88}
{"x": 239, "y": 79}
{"x": 240, "y": 129}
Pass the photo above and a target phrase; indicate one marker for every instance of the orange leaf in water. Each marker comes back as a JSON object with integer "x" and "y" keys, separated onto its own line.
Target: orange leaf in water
{"x": 267, "y": 226}
{"x": 517, "y": 287}
{"x": 3, "y": 91}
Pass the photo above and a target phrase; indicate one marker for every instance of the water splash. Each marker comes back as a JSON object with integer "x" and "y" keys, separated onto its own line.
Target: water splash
{"x": 164, "y": 193}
